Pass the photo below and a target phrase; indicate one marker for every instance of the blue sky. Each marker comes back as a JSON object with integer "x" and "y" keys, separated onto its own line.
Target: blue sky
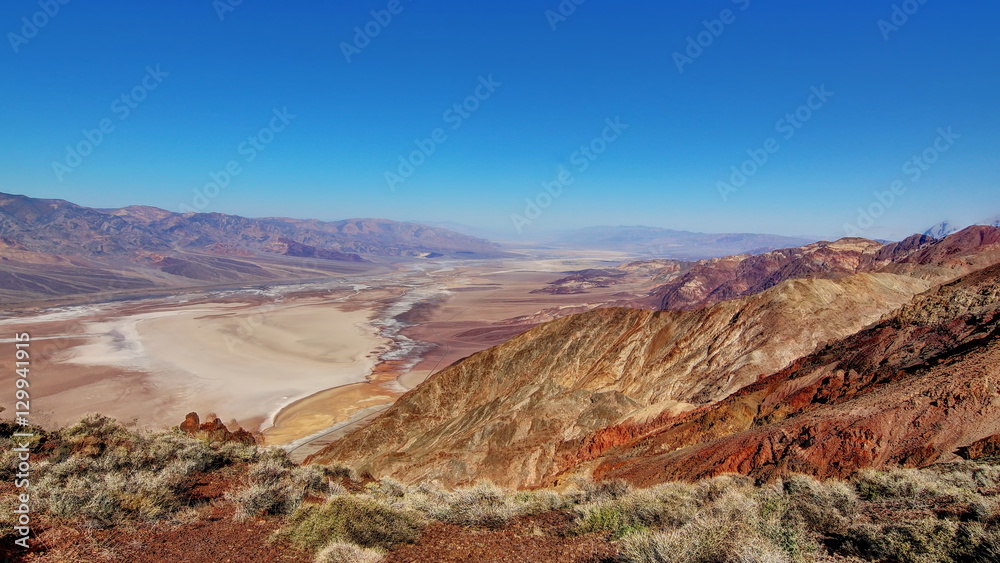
{"x": 217, "y": 76}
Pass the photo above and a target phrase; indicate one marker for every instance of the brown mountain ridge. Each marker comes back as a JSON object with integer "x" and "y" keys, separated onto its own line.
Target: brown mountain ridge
{"x": 587, "y": 392}
{"x": 54, "y": 248}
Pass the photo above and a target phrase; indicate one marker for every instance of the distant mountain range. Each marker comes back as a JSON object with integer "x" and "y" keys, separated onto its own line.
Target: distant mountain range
{"x": 668, "y": 243}
{"x": 51, "y": 247}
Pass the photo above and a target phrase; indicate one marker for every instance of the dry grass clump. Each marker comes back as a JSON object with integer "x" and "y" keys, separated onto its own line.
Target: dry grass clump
{"x": 340, "y": 552}
{"x": 720, "y": 520}
{"x": 942, "y": 513}
{"x": 946, "y": 513}
{"x": 483, "y": 504}
{"x": 276, "y": 486}
{"x": 630, "y": 511}
{"x": 354, "y": 519}
{"x": 913, "y": 488}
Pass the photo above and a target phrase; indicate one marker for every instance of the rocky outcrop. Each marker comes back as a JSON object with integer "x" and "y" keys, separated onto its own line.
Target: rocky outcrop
{"x": 214, "y": 430}
{"x": 986, "y": 447}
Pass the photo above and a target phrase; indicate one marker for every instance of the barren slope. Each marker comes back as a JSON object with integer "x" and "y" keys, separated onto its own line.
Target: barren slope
{"x": 507, "y": 413}
{"x": 911, "y": 390}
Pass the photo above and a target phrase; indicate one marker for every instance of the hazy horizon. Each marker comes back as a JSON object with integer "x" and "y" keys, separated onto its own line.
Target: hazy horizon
{"x": 315, "y": 111}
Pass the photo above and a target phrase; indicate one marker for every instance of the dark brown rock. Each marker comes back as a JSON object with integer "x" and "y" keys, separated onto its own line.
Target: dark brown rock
{"x": 191, "y": 423}
{"x": 986, "y": 447}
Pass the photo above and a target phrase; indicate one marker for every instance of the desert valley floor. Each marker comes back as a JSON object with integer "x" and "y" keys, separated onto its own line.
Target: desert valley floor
{"x": 300, "y": 362}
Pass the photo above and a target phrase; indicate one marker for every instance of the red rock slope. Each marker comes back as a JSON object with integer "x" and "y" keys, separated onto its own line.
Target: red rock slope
{"x": 910, "y": 391}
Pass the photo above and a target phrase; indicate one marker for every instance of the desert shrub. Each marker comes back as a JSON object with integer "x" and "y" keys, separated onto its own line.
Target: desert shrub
{"x": 719, "y": 520}
{"x": 87, "y": 497}
{"x": 664, "y": 506}
{"x": 914, "y": 488}
{"x": 386, "y": 488}
{"x": 703, "y": 540}
{"x": 710, "y": 490}
{"x": 277, "y": 486}
{"x": 540, "y": 501}
{"x": 342, "y": 472}
{"x": 586, "y": 491}
{"x": 920, "y": 540}
{"x": 352, "y": 519}
{"x": 976, "y": 544}
{"x": 313, "y": 478}
{"x": 94, "y": 429}
{"x": 270, "y": 471}
{"x": 612, "y": 517}
{"x": 782, "y": 525}
{"x": 238, "y": 452}
{"x": 336, "y": 489}
{"x": 985, "y": 476}
{"x": 106, "y": 493}
{"x": 483, "y": 504}
{"x": 9, "y": 458}
{"x": 340, "y": 552}
{"x": 259, "y": 499}
{"x": 106, "y": 474}
{"x": 823, "y": 507}
{"x": 104, "y": 499}
{"x": 668, "y": 505}
{"x": 984, "y": 509}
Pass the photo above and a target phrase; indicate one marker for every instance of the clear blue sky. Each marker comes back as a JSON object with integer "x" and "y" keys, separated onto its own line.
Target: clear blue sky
{"x": 353, "y": 120}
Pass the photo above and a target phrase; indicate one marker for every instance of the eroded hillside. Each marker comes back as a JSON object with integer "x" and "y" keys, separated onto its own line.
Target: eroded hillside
{"x": 568, "y": 392}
